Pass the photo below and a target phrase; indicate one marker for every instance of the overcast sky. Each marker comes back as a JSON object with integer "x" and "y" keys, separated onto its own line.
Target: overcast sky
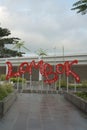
{"x": 45, "y": 24}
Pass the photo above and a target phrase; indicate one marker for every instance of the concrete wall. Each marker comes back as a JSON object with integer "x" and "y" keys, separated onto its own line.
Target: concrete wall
{"x": 6, "y": 103}
{"x": 77, "y": 101}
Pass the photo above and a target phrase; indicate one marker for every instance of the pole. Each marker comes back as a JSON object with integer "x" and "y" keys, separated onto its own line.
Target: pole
{"x": 55, "y": 64}
{"x": 22, "y": 83}
{"x": 75, "y": 86}
{"x": 59, "y": 82}
{"x": 30, "y": 83}
{"x": 17, "y": 83}
{"x": 63, "y": 54}
{"x": 7, "y": 70}
{"x": 67, "y": 83}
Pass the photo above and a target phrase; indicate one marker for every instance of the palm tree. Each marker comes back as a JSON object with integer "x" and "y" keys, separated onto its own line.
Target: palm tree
{"x": 81, "y": 6}
{"x": 20, "y": 45}
{"x": 41, "y": 52}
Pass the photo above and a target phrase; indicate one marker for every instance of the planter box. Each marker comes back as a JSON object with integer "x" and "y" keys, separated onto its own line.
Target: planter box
{"x": 6, "y": 103}
{"x": 77, "y": 101}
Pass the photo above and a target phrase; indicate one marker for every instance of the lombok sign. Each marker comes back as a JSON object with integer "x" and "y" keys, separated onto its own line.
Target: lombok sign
{"x": 50, "y": 75}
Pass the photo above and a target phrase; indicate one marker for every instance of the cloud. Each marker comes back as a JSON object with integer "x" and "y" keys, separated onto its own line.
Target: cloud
{"x": 4, "y": 15}
{"x": 45, "y": 24}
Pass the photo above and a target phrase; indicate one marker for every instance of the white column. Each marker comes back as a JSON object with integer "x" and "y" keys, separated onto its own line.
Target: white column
{"x": 30, "y": 82}
{"x": 55, "y": 63}
{"x": 22, "y": 82}
{"x": 75, "y": 86}
{"x": 67, "y": 83}
{"x": 6, "y": 68}
{"x": 40, "y": 76}
{"x": 59, "y": 82}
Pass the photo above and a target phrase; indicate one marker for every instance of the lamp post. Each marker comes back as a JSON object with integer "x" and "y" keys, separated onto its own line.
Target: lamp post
{"x": 55, "y": 63}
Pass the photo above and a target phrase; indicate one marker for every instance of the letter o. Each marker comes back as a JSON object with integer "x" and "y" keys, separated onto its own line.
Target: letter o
{"x": 23, "y": 70}
{"x": 60, "y": 68}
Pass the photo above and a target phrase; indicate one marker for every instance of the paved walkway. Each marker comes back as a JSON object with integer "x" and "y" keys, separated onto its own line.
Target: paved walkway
{"x": 43, "y": 112}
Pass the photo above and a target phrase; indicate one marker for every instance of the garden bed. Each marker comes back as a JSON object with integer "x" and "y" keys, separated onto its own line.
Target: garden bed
{"x": 6, "y": 103}
{"x": 77, "y": 101}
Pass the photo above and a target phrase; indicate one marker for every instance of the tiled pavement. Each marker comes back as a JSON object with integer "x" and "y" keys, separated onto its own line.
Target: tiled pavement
{"x": 43, "y": 112}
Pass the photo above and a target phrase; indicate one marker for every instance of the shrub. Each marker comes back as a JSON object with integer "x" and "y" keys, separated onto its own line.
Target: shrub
{"x": 84, "y": 83}
{"x": 5, "y": 89}
{"x": 15, "y": 80}
{"x": 63, "y": 83}
{"x": 73, "y": 86}
{"x": 82, "y": 95}
{"x": 8, "y": 87}
{"x": 3, "y": 77}
{"x": 3, "y": 92}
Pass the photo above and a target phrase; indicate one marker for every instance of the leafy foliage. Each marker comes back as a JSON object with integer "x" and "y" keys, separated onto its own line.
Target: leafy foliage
{"x": 82, "y": 95}
{"x": 63, "y": 83}
{"x": 20, "y": 45}
{"x": 4, "y": 39}
{"x": 4, "y": 32}
{"x": 3, "y": 77}
{"x": 15, "y": 80}
{"x": 8, "y": 53}
{"x": 41, "y": 52}
{"x": 3, "y": 92}
{"x": 84, "y": 83}
{"x": 8, "y": 87}
{"x": 5, "y": 89}
{"x": 81, "y": 6}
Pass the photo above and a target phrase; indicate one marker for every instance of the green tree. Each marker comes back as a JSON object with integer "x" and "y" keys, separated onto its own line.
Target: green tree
{"x": 18, "y": 46}
{"x": 5, "y": 39}
{"x": 41, "y": 52}
{"x": 80, "y": 6}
